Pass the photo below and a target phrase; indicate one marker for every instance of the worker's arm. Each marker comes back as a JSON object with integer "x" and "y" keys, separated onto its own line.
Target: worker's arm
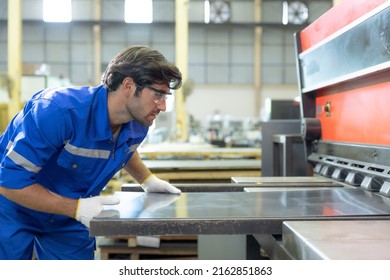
{"x": 137, "y": 169}
{"x": 149, "y": 182}
{"x": 38, "y": 198}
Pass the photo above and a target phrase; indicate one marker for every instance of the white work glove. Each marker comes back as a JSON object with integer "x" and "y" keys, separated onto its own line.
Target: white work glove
{"x": 154, "y": 184}
{"x": 87, "y": 208}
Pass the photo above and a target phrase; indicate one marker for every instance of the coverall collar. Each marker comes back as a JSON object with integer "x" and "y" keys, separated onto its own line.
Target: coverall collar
{"x": 101, "y": 129}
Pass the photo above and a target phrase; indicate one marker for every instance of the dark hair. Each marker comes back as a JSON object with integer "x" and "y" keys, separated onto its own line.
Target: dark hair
{"x": 144, "y": 65}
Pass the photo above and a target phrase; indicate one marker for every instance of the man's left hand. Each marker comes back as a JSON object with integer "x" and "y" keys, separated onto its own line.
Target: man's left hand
{"x": 154, "y": 184}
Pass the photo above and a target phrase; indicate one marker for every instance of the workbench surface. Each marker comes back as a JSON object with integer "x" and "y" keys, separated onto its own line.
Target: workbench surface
{"x": 337, "y": 240}
{"x": 233, "y": 212}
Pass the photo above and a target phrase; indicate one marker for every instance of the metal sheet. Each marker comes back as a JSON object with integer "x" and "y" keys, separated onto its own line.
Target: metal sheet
{"x": 264, "y": 182}
{"x": 286, "y": 189}
{"x": 337, "y": 240}
{"x": 195, "y": 187}
{"x": 285, "y": 180}
{"x": 232, "y": 212}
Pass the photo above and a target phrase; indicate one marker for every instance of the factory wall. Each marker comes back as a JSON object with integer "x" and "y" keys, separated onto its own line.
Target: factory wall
{"x": 235, "y": 101}
{"x": 221, "y": 57}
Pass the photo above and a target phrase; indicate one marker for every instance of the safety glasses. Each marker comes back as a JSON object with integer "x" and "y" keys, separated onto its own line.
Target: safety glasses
{"x": 159, "y": 95}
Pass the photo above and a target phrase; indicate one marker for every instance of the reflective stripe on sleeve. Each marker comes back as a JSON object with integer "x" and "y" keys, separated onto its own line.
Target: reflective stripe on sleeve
{"x": 9, "y": 145}
{"x": 134, "y": 147}
{"x": 91, "y": 153}
{"x": 21, "y": 160}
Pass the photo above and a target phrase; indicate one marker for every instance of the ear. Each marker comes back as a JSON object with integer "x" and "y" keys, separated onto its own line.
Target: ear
{"x": 128, "y": 82}
{"x": 128, "y": 85}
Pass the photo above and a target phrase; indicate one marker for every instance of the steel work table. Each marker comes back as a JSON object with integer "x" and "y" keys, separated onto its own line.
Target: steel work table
{"x": 337, "y": 240}
{"x": 185, "y": 170}
{"x": 234, "y": 212}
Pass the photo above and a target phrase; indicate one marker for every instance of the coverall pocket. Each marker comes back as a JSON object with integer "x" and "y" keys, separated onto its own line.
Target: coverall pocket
{"x": 76, "y": 163}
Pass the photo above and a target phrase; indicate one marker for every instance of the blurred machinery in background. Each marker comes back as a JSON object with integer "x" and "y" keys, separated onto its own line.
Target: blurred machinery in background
{"x": 233, "y": 132}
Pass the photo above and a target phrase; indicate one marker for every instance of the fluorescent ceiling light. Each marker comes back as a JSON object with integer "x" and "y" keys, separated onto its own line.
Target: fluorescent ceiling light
{"x": 57, "y": 10}
{"x": 206, "y": 11}
{"x": 137, "y": 11}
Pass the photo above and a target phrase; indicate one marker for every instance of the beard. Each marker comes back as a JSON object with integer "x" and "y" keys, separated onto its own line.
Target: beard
{"x": 136, "y": 112}
{"x": 149, "y": 119}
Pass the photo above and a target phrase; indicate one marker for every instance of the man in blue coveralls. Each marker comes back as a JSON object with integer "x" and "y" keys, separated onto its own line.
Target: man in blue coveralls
{"x": 59, "y": 152}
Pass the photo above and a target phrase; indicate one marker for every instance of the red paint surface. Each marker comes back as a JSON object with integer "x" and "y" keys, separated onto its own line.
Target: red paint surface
{"x": 357, "y": 116}
{"x": 335, "y": 19}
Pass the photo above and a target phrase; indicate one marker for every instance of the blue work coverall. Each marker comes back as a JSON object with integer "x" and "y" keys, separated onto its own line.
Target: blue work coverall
{"x": 62, "y": 140}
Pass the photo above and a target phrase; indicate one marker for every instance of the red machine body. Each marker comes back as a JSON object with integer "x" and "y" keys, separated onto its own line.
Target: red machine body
{"x": 344, "y": 77}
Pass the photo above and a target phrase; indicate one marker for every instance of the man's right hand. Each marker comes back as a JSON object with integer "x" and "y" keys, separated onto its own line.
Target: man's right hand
{"x": 87, "y": 208}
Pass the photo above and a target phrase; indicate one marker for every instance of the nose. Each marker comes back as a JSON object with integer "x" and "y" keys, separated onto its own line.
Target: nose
{"x": 162, "y": 106}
